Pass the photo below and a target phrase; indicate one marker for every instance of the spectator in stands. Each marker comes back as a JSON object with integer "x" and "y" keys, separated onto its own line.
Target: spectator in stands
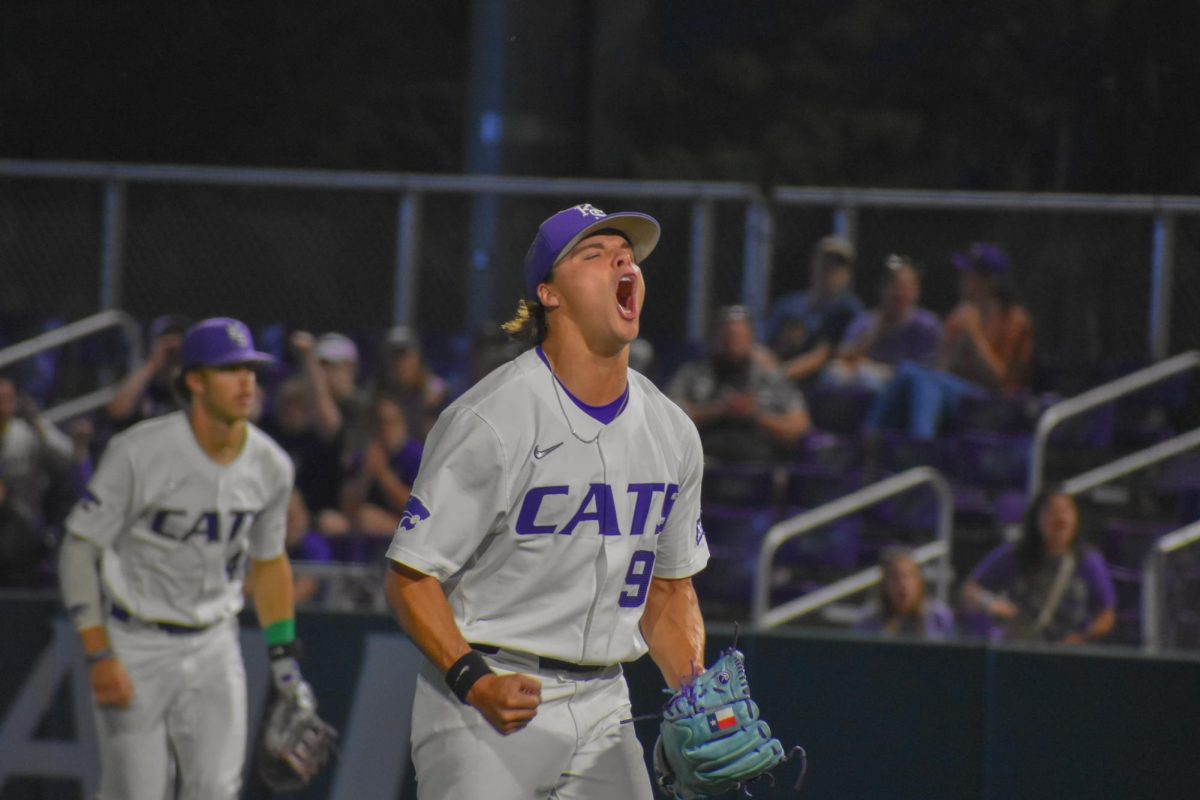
{"x": 902, "y": 608}
{"x": 745, "y": 410}
{"x": 330, "y": 366}
{"x": 34, "y": 453}
{"x": 23, "y": 551}
{"x": 898, "y": 330}
{"x": 147, "y": 391}
{"x": 987, "y": 348}
{"x": 420, "y": 392}
{"x": 805, "y": 328}
{"x": 382, "y": 475}
{"x": 300, "y": 422}
{"x": 1049, "y": 586}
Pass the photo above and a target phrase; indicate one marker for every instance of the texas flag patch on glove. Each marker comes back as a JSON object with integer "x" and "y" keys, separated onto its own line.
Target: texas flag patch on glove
{"x": 722, "y": 719}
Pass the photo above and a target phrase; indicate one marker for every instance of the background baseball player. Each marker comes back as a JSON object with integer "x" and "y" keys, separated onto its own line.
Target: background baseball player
{"x": 151, "y": 573}
{"x": 551, "y": 535}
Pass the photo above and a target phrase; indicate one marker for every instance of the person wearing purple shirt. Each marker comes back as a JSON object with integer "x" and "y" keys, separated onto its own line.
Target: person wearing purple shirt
{"x": 903, "y": 609}
{"x": 1048, "y": 586}
{"x": 381, "y": 476}
{"x": 898, "y": 330}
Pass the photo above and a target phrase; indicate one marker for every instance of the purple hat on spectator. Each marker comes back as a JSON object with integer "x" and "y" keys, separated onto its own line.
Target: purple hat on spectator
{"x": 168, "y": 323}
{"x": 561, "y": 232}
{"x": 217, "y": 342}
{"x": 983, "y": 257}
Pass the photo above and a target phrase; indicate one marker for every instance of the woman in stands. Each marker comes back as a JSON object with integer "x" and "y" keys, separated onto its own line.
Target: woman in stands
{"x": 1048, "y": 586}
{"x": 987, "y": 347}
{"x": 903, "y": 608}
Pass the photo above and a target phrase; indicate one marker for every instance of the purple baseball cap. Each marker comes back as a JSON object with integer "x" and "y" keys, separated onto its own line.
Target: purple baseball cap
{"x": 561, "y": 232}
{"x": 219, "y": 341}
{"x": 983, "y": 257}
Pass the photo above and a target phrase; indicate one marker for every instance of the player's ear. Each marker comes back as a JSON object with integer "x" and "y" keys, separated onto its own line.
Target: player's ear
{"x": 547, "y": 296}
{"x": 193, "y": 381}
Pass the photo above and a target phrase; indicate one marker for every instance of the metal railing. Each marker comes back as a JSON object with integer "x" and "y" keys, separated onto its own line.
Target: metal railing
{"x": 760, "y": 228}
{"x": 1098, "y": 396}
{"x": 764, "y": 617}
{"x": 410, "y": 190}
{"x": 1154, "y": 588}
{"x": 80, "y": 329}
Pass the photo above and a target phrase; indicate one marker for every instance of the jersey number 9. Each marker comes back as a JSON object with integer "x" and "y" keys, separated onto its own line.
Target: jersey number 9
{"x": 637, "y": 579}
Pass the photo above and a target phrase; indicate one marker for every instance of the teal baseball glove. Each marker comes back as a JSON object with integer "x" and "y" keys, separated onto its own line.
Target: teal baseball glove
{"x": 711, "y": 740}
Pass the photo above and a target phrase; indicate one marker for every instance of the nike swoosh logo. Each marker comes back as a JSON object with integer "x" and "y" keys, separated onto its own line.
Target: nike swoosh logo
{"x": 540, "y": 454}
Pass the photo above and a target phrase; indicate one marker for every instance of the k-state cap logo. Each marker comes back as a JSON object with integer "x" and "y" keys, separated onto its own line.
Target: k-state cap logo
{"x": 414, "y": 514}
{"x": 589, "y": 210}
{"x": 236, "y": 335}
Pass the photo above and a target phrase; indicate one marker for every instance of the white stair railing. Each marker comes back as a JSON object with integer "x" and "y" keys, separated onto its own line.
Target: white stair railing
{"x": 1060, "y": 412}
{"x": 765, "y": 617}
{"x": 80, "y": 329}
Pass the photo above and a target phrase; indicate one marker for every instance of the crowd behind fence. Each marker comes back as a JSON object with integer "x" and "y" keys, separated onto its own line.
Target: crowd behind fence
{"x": 1107, "y": 278}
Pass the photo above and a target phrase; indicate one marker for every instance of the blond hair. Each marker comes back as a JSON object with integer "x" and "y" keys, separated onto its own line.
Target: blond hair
{"x": 528, "y": 323}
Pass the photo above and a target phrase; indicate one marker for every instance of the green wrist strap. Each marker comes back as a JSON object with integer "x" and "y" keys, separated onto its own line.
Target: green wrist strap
{"x": 280, "y": 633}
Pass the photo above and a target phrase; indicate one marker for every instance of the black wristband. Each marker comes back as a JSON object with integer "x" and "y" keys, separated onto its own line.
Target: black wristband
{"x": 290, "y": 650}
{"x": 463, "y": 673}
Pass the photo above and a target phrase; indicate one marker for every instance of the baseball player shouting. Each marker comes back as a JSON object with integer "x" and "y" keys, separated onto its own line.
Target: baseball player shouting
{"x": 151, "y": 573}
{"x": 551, "y": 535}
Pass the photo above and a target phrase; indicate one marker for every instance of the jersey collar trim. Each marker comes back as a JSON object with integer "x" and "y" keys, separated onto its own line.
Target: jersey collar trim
{"x": 603, "y": 414}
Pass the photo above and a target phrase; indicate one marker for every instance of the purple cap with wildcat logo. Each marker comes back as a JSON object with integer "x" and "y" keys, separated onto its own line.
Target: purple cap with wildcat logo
{"x": 217, "y": 342}
{"x": 561, "y": 232}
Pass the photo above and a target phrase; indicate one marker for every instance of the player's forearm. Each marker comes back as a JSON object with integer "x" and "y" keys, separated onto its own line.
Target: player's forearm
{"x": 421, "y": 608}
{"x": 79, "y": 583}
{"x": 674, "y": 629}
{"x": 273, "y": 590}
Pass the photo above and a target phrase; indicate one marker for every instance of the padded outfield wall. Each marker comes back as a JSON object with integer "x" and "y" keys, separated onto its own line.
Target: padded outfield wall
{"x": 879, "y": 719}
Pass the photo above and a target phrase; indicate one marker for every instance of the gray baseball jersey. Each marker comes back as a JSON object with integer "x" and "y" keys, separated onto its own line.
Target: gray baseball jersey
{"x": 176, "y": 527}
{"x": 546, "y": 526}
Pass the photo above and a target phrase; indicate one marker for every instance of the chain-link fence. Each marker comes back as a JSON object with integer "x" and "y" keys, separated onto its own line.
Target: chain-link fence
{"x": 357, "y": 252}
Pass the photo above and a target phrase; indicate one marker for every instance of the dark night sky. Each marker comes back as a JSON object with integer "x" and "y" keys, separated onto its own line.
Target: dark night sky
{"x": 1078, "y": 95}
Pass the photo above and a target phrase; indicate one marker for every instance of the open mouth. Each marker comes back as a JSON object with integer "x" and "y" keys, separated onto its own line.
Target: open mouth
{"x": 626, "y": 302}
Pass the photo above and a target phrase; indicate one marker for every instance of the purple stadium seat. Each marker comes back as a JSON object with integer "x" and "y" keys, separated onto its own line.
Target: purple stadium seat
{"x": 839, "y": 409}
{"x": 992, "y": 460}
{"x": 831, "y": 451}
{"x": 735, "y": 537}
{"x": 739, "y": 485}
{"x": 998, "y": 414}
{"x": 835, "y": 546}
{"x": 810, "y": 485}
{"x": 1092, "y": 430}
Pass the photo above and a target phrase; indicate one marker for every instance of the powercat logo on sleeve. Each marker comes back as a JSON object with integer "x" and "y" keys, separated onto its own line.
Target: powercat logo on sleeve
{"x": 414, "y": 514}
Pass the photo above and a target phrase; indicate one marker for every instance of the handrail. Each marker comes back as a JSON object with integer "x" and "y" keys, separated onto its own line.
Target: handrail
{"x": 842, "y": 588}
{"x": 764, "y": 617}
{"x": 986, "y": 201}
{"x": 371, "y": 181}
{"x": 1105, "y": 393}
{"x": 1124, "y": 465}
{"x": 1154, "y": 598}
{"x": 79, "y": 329}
